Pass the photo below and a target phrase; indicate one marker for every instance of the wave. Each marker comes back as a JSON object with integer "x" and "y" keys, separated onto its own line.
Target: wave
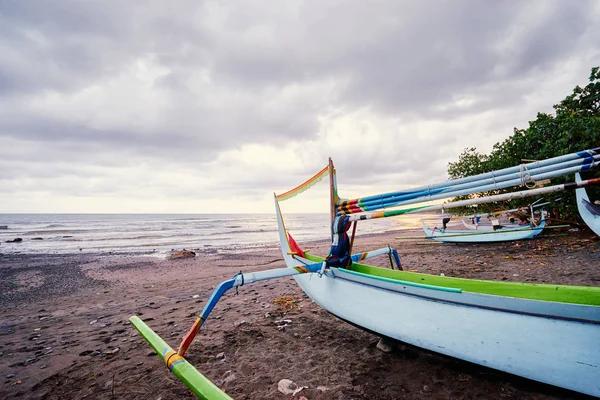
{"x": 66, "y": 234}
{"x": 57, "y": 231}
{"x": 139, "y": 237}
{"x": 239, "y": 232}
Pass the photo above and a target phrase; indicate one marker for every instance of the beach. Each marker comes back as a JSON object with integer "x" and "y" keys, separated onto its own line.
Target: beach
{"x": 65, "y": 334}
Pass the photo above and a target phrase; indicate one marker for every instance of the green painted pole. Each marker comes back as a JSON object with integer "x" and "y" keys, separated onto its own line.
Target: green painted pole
{"x": 198, "y": 383}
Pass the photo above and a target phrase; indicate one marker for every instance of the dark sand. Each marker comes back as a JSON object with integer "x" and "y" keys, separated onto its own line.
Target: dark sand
{"x": 62, "y": 316}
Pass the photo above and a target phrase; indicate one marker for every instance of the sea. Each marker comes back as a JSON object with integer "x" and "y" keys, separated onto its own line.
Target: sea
{"x": 159, "y": 234}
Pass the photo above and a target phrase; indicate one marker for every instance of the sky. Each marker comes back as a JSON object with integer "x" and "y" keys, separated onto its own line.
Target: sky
{"x": 212, "y": 106}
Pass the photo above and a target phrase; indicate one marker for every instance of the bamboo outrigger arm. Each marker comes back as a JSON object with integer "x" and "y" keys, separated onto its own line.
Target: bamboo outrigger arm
{"x": 242, "y": 279}
{"x": 239, "y": 280}
{"x": 175, "y": 361}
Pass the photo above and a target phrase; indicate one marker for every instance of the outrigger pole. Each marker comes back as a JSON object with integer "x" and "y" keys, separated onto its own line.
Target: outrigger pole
{"x": 520, "y": 175}
{"x": 175, "y": 361}
{"x": 480, "y": 200}
{"x": 243, "y": 279}
{"x": 239, "y": 280}
{"x": 198, "y": 383}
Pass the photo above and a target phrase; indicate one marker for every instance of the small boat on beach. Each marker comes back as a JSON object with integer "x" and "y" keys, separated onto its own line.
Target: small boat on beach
{"x": 590, "y": 213}
{"x": 503, "y": 234}
{"x": 494, "y": 232}
{"x": 545, "y": 332}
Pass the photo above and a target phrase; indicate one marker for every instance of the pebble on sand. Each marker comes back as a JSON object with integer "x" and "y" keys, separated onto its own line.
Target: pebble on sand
{"x": 111, "y": 352}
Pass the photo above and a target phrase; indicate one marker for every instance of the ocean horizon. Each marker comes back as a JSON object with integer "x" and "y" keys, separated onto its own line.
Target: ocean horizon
{"x": 158, "y": 234}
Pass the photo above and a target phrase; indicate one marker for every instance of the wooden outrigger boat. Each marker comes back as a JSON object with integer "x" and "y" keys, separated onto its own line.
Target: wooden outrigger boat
{"x": 548, "y": 333}
{"x": 506, "y": 234}
{"x": 488, "y": 233}
{"x": 590, "y": 213}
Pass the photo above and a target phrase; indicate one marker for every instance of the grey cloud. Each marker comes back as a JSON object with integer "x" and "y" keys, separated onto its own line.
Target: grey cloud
{"x": 266, "y": 73}
{"x": 66, "y": 45}
{"x": 403, "y": 56}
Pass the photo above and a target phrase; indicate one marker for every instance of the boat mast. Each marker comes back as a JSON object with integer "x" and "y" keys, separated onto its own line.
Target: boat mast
{"x": 333, "y": 196}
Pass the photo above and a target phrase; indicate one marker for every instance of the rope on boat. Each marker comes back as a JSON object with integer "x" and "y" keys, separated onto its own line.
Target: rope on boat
{"x": 526, "y": 177}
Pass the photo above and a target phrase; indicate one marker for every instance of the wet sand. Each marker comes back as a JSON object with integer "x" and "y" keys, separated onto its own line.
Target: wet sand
{"x": 64, "y": 330}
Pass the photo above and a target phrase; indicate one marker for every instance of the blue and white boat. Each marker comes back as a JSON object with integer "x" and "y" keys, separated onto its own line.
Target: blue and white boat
{"x": 548, "y": 333}
{"x": 504, "y": 234}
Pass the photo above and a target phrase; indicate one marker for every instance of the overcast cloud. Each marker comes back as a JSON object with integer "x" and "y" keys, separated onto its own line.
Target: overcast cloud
{"x": 192, "y": 106}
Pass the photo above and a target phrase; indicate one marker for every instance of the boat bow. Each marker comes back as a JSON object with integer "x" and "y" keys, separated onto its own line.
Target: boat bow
{"x": 590, "y": 213}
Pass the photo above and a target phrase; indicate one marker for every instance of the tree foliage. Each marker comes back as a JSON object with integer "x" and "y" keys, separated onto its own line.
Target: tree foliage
{"x": 574, "y": 127}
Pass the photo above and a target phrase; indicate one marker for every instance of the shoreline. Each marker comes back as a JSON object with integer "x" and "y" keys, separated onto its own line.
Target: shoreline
{"x": 64, "y": 315}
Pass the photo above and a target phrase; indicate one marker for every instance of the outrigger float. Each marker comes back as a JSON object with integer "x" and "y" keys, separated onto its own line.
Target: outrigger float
{"x": 543, "y": 332}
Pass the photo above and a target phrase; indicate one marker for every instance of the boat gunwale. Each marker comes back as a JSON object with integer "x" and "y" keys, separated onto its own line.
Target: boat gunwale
{"x": 547, "y": 288}
{"x": 407, "y": 283}
{"x": 477, "y": 300}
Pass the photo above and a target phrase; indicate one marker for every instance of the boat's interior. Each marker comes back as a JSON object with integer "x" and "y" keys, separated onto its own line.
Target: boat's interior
{"x": 587, "y": 295}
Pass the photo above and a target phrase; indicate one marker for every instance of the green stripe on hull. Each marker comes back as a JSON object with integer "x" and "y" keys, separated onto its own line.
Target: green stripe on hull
{"x": 407, "y": 283}
{"x": 586, "y": 295}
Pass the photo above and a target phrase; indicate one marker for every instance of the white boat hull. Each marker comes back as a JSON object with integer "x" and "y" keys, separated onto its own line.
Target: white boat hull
{"x": 591, "y": 220}
{"x": 558, "y": 352}
{"x": 489, "y": 236}
{"x": 555, "y": 343}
